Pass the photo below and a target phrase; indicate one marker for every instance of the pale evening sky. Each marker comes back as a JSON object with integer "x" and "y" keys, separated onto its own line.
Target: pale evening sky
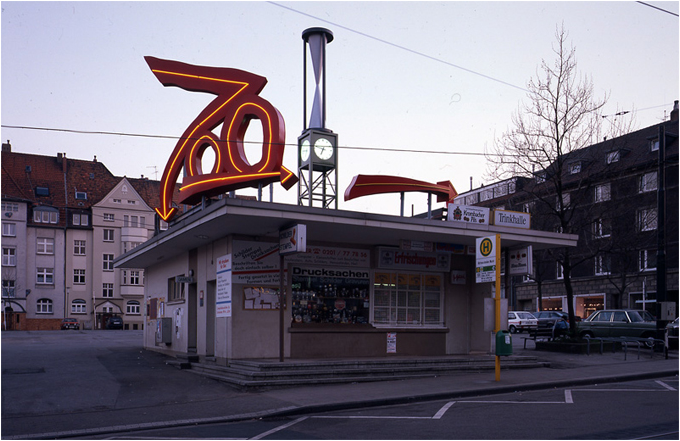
{"x": 423, "y": 76}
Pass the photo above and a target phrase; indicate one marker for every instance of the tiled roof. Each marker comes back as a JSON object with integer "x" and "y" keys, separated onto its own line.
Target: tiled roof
{"x": 23, "y": 172}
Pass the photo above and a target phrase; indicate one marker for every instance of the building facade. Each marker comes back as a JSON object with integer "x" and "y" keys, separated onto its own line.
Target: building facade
{"x": 610, "y": 193}
{"x": 64, "y": 221}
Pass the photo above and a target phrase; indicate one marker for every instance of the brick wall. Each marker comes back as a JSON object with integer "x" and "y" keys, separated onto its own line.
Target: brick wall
{"x": 41, "y": 325}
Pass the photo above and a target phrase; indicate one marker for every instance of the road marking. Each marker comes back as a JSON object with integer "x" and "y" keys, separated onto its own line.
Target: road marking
{"x": 567, "y": 397}
{"x": 443, "y": 410}
{"x": 368, "y": 417}
{"x": 513, "y": 402}
{"x": 665, "y": 385}
{"x": 279, "y": 428}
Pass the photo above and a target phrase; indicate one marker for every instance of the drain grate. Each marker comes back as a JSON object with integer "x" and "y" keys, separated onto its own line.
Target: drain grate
{"x": 23, "y": 371}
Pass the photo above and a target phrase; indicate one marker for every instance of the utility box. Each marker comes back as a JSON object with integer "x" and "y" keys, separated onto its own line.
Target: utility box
{"x": 503, "y": 343}
{"x": 164, "y": 330}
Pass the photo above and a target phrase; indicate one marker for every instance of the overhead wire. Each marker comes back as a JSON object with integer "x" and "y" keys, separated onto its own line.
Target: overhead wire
{"x": 389, "y": 43}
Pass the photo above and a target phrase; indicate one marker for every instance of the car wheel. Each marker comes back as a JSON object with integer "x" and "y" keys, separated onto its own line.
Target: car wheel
{"x": 512, "y": 329}
{"x": 586, "y": 334}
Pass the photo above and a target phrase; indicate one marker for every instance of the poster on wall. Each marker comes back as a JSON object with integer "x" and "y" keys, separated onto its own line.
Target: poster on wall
{"x": 223, "y": 294}
{"x": 391, "y": 342}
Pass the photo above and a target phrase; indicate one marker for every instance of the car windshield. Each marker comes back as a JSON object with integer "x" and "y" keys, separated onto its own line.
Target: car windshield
{"x": 525, "y": 315}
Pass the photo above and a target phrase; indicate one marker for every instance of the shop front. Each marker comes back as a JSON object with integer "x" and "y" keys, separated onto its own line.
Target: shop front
{"x": 366, "y": 285}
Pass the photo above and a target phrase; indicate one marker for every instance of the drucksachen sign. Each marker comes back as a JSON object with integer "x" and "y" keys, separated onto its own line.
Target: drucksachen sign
{"x": 236, "y": 104}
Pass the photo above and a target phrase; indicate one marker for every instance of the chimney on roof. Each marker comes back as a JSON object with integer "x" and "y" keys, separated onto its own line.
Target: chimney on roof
{"x": 6, "y": 147}
{"x": 61, "y": 159}
{"x": 674, "y": 114}
{"x": 95, "y": 158}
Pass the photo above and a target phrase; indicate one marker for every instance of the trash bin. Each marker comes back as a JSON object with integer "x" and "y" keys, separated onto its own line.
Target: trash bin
{"x": 503, "y": 343}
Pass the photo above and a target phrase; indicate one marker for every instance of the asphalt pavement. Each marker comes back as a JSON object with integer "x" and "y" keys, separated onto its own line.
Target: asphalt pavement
{"x": 84, "y": 383}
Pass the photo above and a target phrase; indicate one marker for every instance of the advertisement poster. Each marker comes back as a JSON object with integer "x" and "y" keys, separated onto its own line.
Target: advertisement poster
{"x": 223, "y": 295}
{"x": 391, "y": 258}
{"x": 391, "y": 342}
{"x": 468, "y": 214}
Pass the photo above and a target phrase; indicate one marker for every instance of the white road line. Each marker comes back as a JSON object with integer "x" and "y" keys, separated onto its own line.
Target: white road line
{"x": 443, "y": 410}
{"x": 368, "y": 417}
{"x": 514, "y": 402}
{"x": 567, "y": 397}
{"x": 618, "y": 390}
{"x": 276, "y": 429}
{"x": 665, "y": 385}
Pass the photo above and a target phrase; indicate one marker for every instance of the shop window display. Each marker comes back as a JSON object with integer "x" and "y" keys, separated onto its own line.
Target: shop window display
{"x": 340, "y": 300}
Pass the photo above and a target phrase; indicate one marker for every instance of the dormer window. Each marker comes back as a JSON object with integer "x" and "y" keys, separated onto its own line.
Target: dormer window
{"x": 42, "y": 191}
{"x": 654, "y": 145}
{"x": 81, "y": 195}
{"x": 540, "y": 177}
{"x": 575, "y": 168}
{"x": 613, "y": 157}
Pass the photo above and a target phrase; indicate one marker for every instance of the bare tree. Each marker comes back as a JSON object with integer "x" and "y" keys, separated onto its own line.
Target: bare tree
{"x": 561, "y": 116}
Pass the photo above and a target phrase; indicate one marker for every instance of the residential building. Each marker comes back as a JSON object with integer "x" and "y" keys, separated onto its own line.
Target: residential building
{"x": 610, "y": 195}
{"x": 63, "y": 222}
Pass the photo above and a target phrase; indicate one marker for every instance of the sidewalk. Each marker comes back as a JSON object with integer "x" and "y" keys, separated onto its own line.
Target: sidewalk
{"x": 197, "y": 400}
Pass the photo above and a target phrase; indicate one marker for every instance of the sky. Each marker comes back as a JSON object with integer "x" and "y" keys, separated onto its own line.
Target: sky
{"x": 437, "y": 79}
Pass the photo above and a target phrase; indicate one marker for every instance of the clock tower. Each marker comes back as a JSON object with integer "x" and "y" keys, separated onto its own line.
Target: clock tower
{"x": 317, "y": 145}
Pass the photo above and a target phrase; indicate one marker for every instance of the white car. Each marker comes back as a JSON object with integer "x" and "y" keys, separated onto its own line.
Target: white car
{"x": 519, "y": 321}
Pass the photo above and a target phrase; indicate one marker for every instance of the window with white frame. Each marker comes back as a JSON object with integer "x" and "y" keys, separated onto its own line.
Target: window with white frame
{"x": 163, "y": 225}
{"x": 44, "y": 306}
{"x": 132, "y": 277}
{"x": 81, "y": 195}
{"x": 541, "y": 177}
{"x": 575, "y": 168}
{"x": 9, "y": 256}
{"x": 109, "y": 217}
{"x": 45, "y": 216}
{"x": 602, "y": 228}
{"x": 44, "y": 276}
{"x": 613, "y": 157}
{"x": 10, "y": 207}
{"x": 559, "y": 271}
{"x": 602, "y": 265}
{"x": 116, "y": 201}
{"x": 78, "y": 247}
{"x": 647, "y": 260}
{"x": 647, "y": 219}
{"x": 45, "y": 245}
{"x": 108, "y": 235}
{"x": 9, "y": 229}
{"x": 107, "y": 290}
{"x": 408, "y": 299}
{"x": 566, "y": 200}
{"x": 654, "y": 145}
{"x": 648, "y": 182}
{"x": 78, "y": 306}
{"x": 81, "y": 219}
{"x": 133, "y": 307}
{"x": 78, "y": 276}
{"x": 528, "y": 207}
{"x": 603, "y": 192}
{"x": 8, "y": 286}
{"x": 107, "y": 260}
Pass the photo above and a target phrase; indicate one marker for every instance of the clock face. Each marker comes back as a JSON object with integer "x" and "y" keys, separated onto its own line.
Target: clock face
{"x": 323, "y": 148}
{"x": 304, "y": 150}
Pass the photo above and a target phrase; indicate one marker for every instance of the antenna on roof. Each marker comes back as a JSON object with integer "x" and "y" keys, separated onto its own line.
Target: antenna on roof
{"x": 155, "y": 171}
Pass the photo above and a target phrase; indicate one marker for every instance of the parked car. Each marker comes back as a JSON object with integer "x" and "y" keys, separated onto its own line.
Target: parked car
{"x": 519, "y": 321}
{"x": 70, "y": 323}
{"x": 673, "y": 334}
{"x": 114, "y": 323}
{"x": 547, "y": 319}
{"x": 618, "y": 323}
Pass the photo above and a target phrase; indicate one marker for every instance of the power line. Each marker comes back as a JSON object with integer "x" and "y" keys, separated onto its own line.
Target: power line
{"x": 430, "y": 57}
{"x": 660, "y": 9}
{"x": 139, "y": 135}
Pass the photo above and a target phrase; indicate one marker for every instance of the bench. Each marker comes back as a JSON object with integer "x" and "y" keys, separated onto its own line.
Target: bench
{"x": 648, "y": 342}
{"x": 539, "y": 333}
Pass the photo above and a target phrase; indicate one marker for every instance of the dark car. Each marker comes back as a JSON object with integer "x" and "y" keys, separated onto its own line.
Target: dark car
{"x": 547, "y": 319}
{"x": 673, "y": 334}
{"x": 114, "y": 323}
{"x": 618, "y": 323}
{"x": 70, "y": 323}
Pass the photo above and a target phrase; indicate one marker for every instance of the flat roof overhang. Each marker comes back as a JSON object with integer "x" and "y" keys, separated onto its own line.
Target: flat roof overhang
{"x": 262, "y": 220}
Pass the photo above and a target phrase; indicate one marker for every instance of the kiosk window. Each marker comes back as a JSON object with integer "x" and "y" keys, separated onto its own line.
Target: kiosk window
{"x": 330, "y": 296}
{"x": 407, "y": 299}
